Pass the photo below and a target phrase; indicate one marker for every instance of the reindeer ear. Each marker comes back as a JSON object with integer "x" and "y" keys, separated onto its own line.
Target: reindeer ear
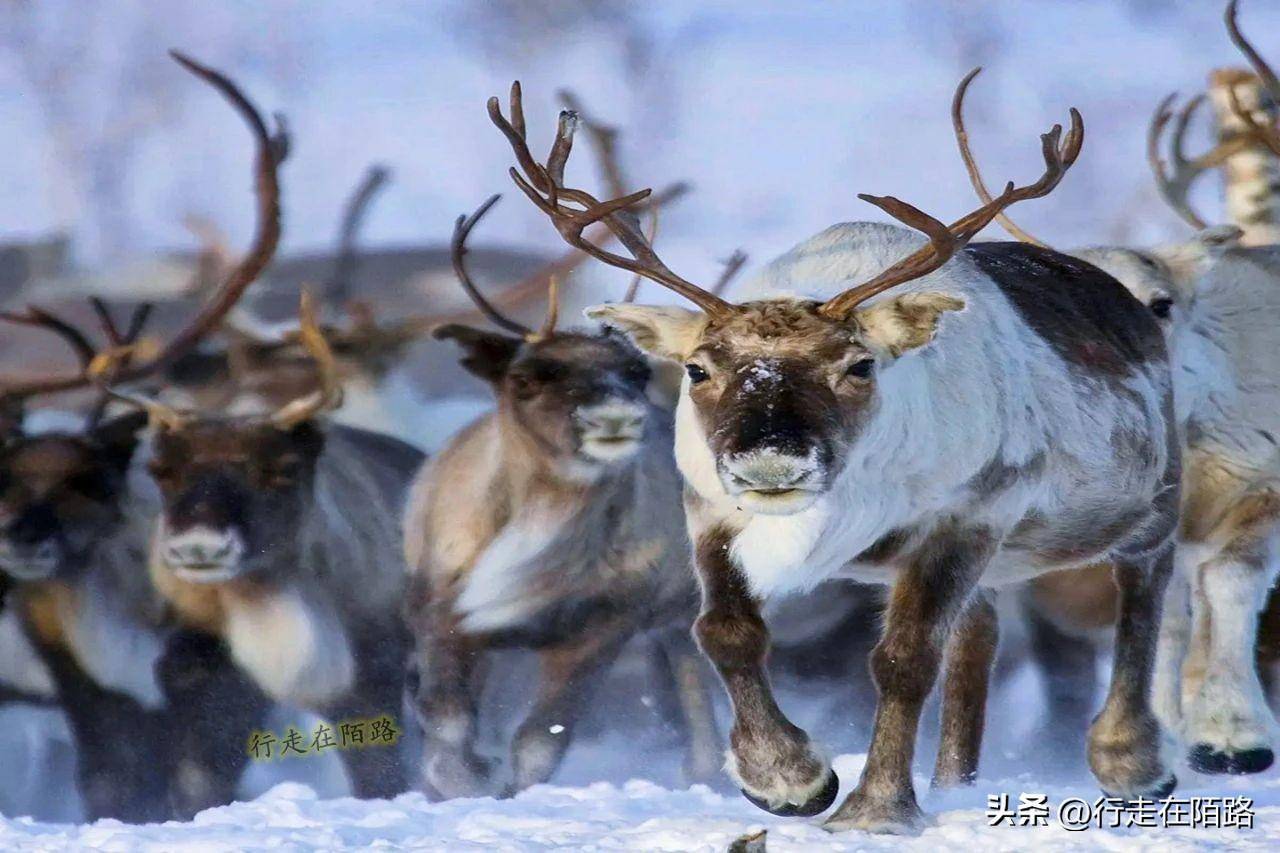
{"x": 662, "y": 331}
{"x": 488, "y": 354}
{"x": 118, "y": 437}
{"x": 906, "y": 322}
{"x": 1219, "y": 238}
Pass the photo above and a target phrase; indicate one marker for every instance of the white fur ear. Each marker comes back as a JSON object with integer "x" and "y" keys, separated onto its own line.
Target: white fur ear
{"x": 907, "y": 321}
{"x": 663, "y": 331}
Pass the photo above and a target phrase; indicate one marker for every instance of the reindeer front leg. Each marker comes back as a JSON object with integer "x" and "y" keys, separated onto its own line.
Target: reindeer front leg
{"x": 1228, "y": 722}
{"x": 932, "y": 591}
{"x": 770, "y": 758}
{"x": 569, "y": 670}
{"x": 446, "y": 661}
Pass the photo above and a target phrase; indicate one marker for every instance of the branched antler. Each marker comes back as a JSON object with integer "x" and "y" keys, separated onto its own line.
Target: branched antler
{"x": 1268, "y": 134}
{"x": 544, "y": 185}
{"x": 1175, "y": 186}
{"x": 375, "y": 178}
{"x": 272, "y": 149}
{"x": 945, "y": 240}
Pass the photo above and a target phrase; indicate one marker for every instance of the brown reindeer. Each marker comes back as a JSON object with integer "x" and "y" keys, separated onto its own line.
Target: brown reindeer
{"x": 280, "y": 538}
{"x": 552, "y": 523}
{"x": 74, "y": 527}
{"x": 1007, "y": 413}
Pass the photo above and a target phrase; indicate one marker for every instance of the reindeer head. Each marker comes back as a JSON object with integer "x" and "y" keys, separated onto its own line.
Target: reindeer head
{"x": 235, "y": 491}
{"x": 776, "y": 390}
{"x": 579, "y": 398}
{"x": 61, "y": 496}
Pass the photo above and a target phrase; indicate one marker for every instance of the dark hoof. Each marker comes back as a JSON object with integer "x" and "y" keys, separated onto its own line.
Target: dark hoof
{"x": 1206, "y": 759}
{"x": 1158, "y": 794}
{"x": 819, "y": 803}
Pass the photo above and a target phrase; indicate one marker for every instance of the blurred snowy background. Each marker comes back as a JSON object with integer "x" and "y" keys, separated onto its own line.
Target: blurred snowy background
{"x": 778, "y": 112}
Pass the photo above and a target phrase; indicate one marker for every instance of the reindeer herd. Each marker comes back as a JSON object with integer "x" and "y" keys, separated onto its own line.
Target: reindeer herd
{"x": 1096, "y": 431}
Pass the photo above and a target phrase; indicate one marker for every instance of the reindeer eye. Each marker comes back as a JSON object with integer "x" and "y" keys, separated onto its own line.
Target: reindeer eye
{"x": 696, "y": 373}
{"x": 861, "y": 368}
{"x": 1161, "y": 306}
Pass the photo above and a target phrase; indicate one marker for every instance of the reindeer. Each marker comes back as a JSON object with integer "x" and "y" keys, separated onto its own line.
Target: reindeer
{"x": 75, "y": 516}
{"x": 1007, "y": 413}
{"x": 552, "y": 523}
{"x": 280, "y": 537}
{"x": 1218, "y": 306}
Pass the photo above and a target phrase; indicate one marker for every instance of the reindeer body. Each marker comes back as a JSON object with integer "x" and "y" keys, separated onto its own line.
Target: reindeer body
{"x": 1026, "y": 423}
{"x": 515, "y": 541}
{"x": 311, "y": 613}
{"x": 1036, "y": 433}
{"x": 74, "y": 540}
{"x": 1221, "y": 310}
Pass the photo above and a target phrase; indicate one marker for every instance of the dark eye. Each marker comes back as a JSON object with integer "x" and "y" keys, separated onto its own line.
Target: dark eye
{"x": 1161, "y": 306}
{"x": 862, "y": 368}
{"x": 92, "y": 486}
{"x": 696, "y": 373}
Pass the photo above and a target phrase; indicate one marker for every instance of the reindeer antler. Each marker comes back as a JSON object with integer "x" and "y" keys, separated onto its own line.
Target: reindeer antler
{"x": 971, "y": 162}
{"x": 272, "y": 149}
{"x": 1175, "y": 188}
{"x": 544, "y": 185}
{"x": 1267, "y": 134}
{"x": 339, "y": 287}
{"x": 329, "y": 395}
{"x": 946, "y": 240}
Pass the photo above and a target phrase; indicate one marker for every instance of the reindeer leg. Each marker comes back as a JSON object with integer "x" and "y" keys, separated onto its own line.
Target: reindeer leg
{"x": 970, "y": 653}
{"x": 379, "y": 770}
{"x": 1069, "y": 671}
{"x": 1171, "y": 650}
{"x": 770, "y": 758}
{"x": 703, "y": 759}
{"x": 446, "y": 664}
{"x": 933, "y": 590}
{"x": 569, "y": 671}
{"x": 1228, "y": 722}
{"x": 1125, "y": 740}
{"x": 215, "y": 708}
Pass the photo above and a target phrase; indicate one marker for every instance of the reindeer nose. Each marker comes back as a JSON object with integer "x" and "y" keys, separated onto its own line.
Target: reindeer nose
{"x": 201, "y": 548}
{"x": 612, "y": 419}
{"x": 771, "y": 471}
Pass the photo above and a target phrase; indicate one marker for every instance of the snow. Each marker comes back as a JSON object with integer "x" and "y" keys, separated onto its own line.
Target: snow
{"x": 636, "y": 815}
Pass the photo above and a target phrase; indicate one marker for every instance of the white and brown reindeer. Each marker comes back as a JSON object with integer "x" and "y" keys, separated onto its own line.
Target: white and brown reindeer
{"x": 1218, "y": 304}
{"x": 75, "y": 518}
{"x": 552, "y": 523}
{"x": 1006, "y": 413}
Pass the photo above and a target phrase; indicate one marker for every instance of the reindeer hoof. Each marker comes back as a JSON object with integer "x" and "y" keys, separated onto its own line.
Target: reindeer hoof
{"x": 817, "y": 804}
{"x": 1159, "y": 793}
{"x": 1205, "y": 759}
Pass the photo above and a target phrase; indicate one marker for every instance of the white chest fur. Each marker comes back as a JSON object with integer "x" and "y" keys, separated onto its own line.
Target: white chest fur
{"x": 295, "y": 649}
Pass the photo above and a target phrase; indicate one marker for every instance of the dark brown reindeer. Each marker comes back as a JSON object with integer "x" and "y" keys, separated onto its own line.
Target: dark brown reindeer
{"x": 1007, "y": 413}
{"x": 74, "y": 527}
{"x": 552, "y": 523}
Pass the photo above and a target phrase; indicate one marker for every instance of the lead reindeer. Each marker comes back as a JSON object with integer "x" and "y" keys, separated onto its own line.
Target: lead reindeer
{"x": 552, "y": 523}
{"x": 1218, "y": 304}
{"x": 1008, "y": 412}
{"x": 76, "y": 515}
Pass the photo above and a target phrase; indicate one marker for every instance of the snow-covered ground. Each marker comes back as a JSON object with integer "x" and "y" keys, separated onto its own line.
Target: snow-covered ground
{"x": 636, "y": 815}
